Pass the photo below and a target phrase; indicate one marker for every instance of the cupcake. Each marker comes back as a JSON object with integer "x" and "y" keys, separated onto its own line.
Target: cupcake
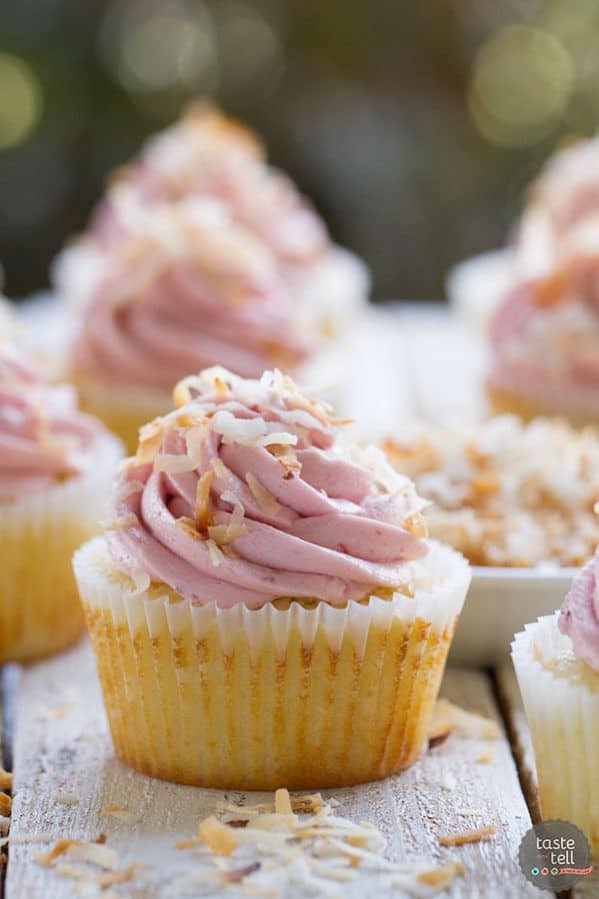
{"x": 207, "y": 154}
{"x": 263, "y": 606}
{"x": 544, "y": 338}
{"x": 185, "y": 287}
{"x": 56, "y": 466}
{"x": 557, "y": 665}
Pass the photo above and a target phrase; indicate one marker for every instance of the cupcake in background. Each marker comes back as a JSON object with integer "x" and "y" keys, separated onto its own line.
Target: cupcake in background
{"x": 544, "y": 337}
{"x": 183, "y": 288}
{"x": 209, "y": 154}
{"x": 263, "y": 607}
{"x": 557, "y": 665}
{"x": 563, "y": 197}
{"x": 56, "y": 467}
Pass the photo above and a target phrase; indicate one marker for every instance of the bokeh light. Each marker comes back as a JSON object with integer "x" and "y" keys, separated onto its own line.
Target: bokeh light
{"x": 153, "y": 48}
{"x": 250, "y": 50}
{"x": 20, "y": 100}
{"x": 521, "y": 82}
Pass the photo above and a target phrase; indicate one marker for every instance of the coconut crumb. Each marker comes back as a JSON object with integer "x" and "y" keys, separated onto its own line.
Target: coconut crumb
{"x": 479, "y": 834}
{"x": 119, "y": 813}
{"x": 59, "y": 848}
{"x": 220, "y": 838}
{"x": 5, "y": 804}
{"x": 485, "y": 756}
{"x": 468, "y": 725}
{"x": 94, "y": 854}
{"x": 5, "y": 779}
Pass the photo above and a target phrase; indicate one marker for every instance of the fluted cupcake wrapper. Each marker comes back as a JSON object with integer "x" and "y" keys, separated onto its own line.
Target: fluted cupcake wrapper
{"x": 300, "y": 697}
{"x": 40, "y": 611}
{"x": 563, "y": 715}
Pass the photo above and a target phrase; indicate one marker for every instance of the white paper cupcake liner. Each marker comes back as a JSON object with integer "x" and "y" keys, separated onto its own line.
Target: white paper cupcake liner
{"x": 439, "y": 606}
{"x": 563, "y": 715}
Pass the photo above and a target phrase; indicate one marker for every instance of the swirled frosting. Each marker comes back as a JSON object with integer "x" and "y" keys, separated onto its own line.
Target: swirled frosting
{"x": 43, "y": 436}
{"x": 186, "y": 288}
{"x": 206, "y": 154}
{"x": 246, "y": 493}
{"x": 579, "y": 615}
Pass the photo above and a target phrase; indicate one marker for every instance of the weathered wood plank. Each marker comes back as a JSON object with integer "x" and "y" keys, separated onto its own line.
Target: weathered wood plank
{"x": 517, "y": 725}
{"x": 515, "y": 717}
{"x": 62, "y": 747}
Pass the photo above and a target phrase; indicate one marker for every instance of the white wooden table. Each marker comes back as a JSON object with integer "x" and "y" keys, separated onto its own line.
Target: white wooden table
{"x": 66, "y": 775}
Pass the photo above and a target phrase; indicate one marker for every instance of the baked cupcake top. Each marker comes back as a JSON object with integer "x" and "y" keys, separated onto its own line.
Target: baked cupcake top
{"x": 185, "y": 288}
{"x": 579, "y": 615}
{"x": 44, "y": 438}
{"x": 246, "y": 493}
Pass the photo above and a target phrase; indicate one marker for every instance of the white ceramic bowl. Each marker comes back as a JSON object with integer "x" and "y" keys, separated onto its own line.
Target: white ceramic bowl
{"x": 475, "y": 286}
{"x": 500, "y": 602}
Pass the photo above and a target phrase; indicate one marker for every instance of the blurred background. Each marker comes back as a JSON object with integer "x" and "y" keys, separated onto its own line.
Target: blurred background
{"x": 414, "y": 127}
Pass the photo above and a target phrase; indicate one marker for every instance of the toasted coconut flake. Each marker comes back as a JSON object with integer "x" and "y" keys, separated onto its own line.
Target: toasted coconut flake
{"x": 94, "y": 854}
{"x": 59, "y": 848}
{"x": 72, "y": 871}
{"x": 173, "y": 463}
{"x": 219, "y": 467}
{"x": 5, "y": 779}
{"x": 151, "y": 436}
{"x": 283, "y": 802}
{"x": 111, "y": 879}
{"x": 181, "y": 394}
{"x": 203, "y": 508}
{"x": 4, "y": 825}
{"x": 485, "y": 756}
{"x": 120, "y": 814}
{"x": 448, "y": 716}
{"x": 5, "y": 804}
{"x": 263, "y": 497}
{"x": 441, "y": 878}
{"x": 122, "y": 523}
{"x": 220, "y": 838}
{"x": 216, "y": 556}
{"x": 468, "y": 836}
{"x": 277, "y": 822}
{"x": 416, "y": 524}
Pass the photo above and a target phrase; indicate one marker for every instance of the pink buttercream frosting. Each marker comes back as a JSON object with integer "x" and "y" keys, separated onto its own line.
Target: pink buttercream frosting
{"x": 184, "y": 289}
{"x": 247, "y": 493}
{"x": 44, "y": 438}
{"x": 579, "y": 615}
{"x": 545, "y": 337}
{"x": 207, "y": 154}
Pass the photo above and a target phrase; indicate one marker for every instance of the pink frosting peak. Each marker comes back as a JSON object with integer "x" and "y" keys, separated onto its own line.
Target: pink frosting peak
{"x": 208, "y": 154}
{"x": 579, "y": 615}
{"x": 185, "y": 288}
{"x": 43, "y": 436}
{"x": 246, "y": 493}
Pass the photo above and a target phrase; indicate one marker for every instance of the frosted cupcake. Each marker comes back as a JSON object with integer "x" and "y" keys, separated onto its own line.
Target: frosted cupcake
{"x": 264, "y": 609}
{"x": 545, "y": 338}
{"x": 56, "y": 466}
{"x": 184, "y": 288}
{"x": 208, "y": 154}
{"x": 557, "y": 664}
